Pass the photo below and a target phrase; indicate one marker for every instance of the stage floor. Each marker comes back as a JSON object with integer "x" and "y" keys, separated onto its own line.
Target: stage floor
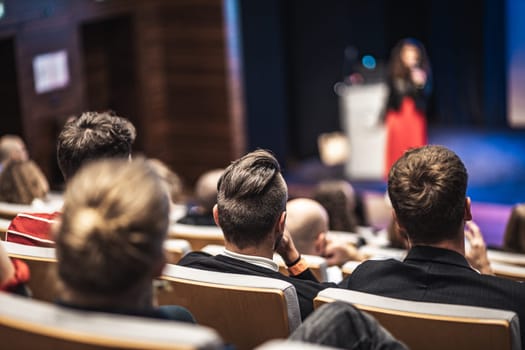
{"x": 495, "y": 161}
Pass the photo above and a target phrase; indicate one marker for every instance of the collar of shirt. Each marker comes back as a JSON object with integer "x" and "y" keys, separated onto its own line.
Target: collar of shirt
{"x": 255, "y": 260}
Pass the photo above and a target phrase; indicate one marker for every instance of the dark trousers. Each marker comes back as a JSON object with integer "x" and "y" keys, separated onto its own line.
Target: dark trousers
{"x": 341, "y": 325}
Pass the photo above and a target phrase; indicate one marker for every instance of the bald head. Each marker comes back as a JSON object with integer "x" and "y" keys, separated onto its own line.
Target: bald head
{"x": 206, "y": 189}
{"x": 307, "y": 222}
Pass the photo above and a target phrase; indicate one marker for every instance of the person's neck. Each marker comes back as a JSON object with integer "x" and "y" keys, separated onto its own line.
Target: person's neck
{"x": 263, "y": 250}
{"x": 455, "y": 245}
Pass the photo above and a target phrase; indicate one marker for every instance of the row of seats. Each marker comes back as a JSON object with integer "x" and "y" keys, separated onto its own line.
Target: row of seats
{"x": 248, "y": 310}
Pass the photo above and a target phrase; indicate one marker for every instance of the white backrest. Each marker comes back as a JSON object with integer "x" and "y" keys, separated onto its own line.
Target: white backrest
{"x": 506, "y": 257}
{"x": 31, "y": 252}
{"x": 514, "y": 272}
{"x": 278, "y": 344}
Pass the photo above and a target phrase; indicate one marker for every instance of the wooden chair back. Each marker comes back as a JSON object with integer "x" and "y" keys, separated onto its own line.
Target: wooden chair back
{"x": 429, "y": 326}
{"x": 508, "y": 271}
{"x": 245, "y": 310}
{"x": 198, "y": 236}
{"x": 175, "y": 249}
{"x": 30, "y": 324}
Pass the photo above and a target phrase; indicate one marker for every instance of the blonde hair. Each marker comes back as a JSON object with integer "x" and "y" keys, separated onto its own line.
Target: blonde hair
{"x": 114, "y": 221}
{"x": 21, "y": 182}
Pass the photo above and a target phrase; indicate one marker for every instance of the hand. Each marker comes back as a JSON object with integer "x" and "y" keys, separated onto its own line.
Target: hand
{"x": 338, "y": 254}
{"x": 286, "y": 248}
{"x": 477, "y": 254}
{"x": 418, "y": 76}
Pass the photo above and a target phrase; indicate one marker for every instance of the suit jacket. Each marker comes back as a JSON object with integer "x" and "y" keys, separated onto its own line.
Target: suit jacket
{"x": 438, "y": 275}
{"x": 306, "y": 285}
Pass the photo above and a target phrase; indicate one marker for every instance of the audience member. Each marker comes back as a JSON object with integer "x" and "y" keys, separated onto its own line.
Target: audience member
{"x": 250, "y": 210}
{"x": 86, "y": 138}
{"x": 21, "y": 182}
{"x": 307, "y": 223}
{"x": 205, "y": 198}
{"x": 170, "y": 178}
{"x": 340, "y": 325}
{"x": 427, "y": 187}
{"x": 12, "y": 148}
{"x": 339, "y": 199}
{"x": 514, "y": 237}
{"x": 109, "y": 240}
{"x": 14, "y": 274}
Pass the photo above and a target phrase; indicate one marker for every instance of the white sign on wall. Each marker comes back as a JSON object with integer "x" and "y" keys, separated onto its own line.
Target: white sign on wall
{"x": 50, "y": 71}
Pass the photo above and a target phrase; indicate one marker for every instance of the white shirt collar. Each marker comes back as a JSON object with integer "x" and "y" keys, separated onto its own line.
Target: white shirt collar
{"x": 252, "y": 259}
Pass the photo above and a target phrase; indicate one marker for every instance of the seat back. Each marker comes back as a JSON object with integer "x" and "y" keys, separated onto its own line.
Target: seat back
{"x": 506, "y": 257}
{"x": 42, "y": 265}
{"x": 422, "y": 325}
{"x": 30, "y": 324}
{"x": 198, "y": 236}
{"x": 175, "y": 249}
{"x": 245, "y": 310}
{"x": 278, "y": 344}
{"x": 508, "y": 271}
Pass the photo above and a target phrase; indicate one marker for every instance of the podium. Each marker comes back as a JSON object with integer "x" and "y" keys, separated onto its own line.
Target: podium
{"x": 360, "y": 111}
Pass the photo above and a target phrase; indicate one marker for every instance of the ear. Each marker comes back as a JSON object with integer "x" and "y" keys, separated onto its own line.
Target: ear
{"x": 278, "y": 230}
{"x": 216, "y": 215}
{"x": 396, "y": 222}
{"x": 400, "y": 228}
{"x": 320, "y": 244}
{"x": 468, "y": 213}
{"x": 281, "y": 223}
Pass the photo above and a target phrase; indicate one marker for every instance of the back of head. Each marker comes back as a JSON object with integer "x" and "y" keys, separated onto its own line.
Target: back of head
{"x": 514, "y": 236}
{"x": 427, "y": 187}
{"x": 93, "y": 136}
{"x": 12, "y": 148}
{"x": 338, "y": 198}
{"x": 206, "y": 189}
{"x": 170, "y": 178}
{"x": 306, "y": 219}
{"x": 114, "y": 221}
{"x": 251, "y": 197}
{"x": 21, "y": 182}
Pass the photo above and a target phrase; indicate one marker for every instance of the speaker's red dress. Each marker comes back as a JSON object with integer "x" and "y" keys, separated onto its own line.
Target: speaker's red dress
{"x": 405, "y": 128}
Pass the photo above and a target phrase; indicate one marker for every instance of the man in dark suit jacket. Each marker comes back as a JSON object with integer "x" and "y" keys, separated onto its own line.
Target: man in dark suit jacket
{"x": 427, "y": 187}
{"x": 251, "y": 211}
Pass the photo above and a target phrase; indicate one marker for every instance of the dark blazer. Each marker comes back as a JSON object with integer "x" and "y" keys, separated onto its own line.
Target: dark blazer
{"x": 438, "y": 275}
{"x": 306, "y": 285}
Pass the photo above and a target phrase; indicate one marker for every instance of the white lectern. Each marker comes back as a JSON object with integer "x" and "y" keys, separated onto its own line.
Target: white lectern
{"x": 360, "y": 110}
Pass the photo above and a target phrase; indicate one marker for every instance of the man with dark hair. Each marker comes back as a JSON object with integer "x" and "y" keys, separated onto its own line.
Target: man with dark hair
{"x": 93, "y": 136}
{"x": 251, "y": 211}
{"x": 427, "y": 188}
{"x": 88, "y": 137}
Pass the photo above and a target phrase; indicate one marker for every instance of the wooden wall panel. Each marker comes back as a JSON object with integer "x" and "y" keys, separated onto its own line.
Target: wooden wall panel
{"x": 161, "y": 63}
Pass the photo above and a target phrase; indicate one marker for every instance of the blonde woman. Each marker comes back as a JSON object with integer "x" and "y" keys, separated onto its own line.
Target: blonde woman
{"x": 109, "y": 240}
{"x": 21, "y": 182}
